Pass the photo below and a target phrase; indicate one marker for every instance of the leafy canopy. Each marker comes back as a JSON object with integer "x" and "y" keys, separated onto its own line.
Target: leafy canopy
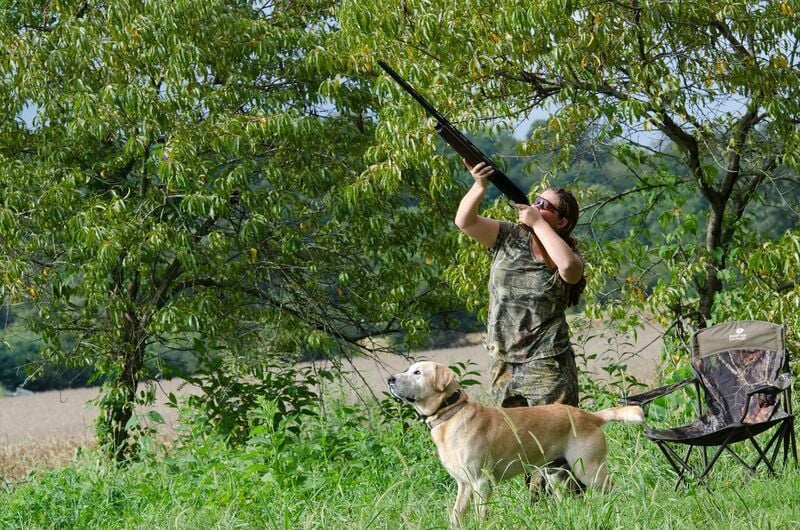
{"x": 201, "y": 176}
{"x": 696, "y": 100}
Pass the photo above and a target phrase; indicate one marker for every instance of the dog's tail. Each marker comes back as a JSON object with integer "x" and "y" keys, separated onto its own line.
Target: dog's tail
{"x": 628, "y": 414}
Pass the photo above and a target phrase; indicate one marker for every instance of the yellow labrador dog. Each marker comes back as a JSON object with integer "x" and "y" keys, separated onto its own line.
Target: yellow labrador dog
{"x": 480, "y": 445}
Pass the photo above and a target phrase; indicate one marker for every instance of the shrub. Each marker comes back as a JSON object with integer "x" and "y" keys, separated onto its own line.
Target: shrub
{"x": 230, "y": 396}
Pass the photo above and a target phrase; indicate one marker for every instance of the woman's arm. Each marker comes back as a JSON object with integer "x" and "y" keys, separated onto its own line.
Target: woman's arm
{"x": 570, "y": 265}
{"x": 481, "y": 229}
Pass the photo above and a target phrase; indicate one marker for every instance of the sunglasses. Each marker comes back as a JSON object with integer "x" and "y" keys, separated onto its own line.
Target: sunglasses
{"x": 543, "y": 204}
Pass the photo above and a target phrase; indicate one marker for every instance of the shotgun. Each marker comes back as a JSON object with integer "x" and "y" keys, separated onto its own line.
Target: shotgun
{"x": 461, "y": 143}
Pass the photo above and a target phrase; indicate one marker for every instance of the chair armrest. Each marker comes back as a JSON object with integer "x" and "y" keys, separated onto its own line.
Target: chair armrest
{"x": 646, "y": 397}
{"x": 781, "y": 383}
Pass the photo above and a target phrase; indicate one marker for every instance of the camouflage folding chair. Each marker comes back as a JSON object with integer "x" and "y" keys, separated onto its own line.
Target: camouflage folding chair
{"x": 743, "y": 387}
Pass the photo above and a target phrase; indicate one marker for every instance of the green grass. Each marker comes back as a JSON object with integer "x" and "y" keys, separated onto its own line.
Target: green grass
{"x": 352, "y": 469}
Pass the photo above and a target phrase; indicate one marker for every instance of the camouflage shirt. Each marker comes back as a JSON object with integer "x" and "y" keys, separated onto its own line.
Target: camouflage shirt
{"x": 527, "y": 301}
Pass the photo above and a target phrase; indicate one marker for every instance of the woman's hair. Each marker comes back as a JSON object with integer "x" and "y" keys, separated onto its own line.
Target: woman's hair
{"x": 570, "y": 211}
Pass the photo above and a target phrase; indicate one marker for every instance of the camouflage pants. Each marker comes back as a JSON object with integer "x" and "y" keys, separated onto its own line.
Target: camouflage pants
{"x": 536, "y": 382}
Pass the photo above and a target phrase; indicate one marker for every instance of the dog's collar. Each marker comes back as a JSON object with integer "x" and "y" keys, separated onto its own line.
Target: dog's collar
{"x": 452, "y": 401}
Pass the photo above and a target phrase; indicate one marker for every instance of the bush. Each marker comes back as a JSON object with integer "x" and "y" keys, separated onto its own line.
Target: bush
{"x": 231, "y": 395}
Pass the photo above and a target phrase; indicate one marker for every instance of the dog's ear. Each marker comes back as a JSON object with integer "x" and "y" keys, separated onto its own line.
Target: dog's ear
{"x": 444, "y": 376}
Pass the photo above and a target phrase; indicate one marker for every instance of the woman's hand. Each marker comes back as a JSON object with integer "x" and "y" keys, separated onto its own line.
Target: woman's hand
{"x": 528, "y": 215}
{"x": 480, "y": 172}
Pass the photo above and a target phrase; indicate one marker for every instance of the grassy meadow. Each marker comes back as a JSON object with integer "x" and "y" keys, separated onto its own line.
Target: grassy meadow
{"x": 375, "y": 467}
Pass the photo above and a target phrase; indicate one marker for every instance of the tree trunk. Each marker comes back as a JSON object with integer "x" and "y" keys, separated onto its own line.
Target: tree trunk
{"x": 708, "y": 289}
{"x": 120, "y": 399}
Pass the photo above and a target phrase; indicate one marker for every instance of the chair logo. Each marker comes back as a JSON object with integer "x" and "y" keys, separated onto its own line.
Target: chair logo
{"x": 737, "y": 335}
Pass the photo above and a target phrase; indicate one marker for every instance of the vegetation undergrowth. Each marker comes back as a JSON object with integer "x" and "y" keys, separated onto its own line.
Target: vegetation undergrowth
{"x": 371, "y": 467}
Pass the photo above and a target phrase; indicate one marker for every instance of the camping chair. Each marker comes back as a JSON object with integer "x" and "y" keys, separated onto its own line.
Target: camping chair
{"x": 742, "y": 370}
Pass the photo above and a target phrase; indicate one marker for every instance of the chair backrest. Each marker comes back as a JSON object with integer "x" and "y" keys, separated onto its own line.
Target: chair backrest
{"x": 731, "y": 360}
{"x": 739, "y": 335}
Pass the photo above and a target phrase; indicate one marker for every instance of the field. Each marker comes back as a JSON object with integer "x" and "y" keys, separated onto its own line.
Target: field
{"x": 47, "y": 428}
{"x": 349, "y": 467}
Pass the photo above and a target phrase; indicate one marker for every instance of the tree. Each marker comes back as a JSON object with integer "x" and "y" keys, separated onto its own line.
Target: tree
{"x": 200, "y": 176}
{"x": 715, "y": 82}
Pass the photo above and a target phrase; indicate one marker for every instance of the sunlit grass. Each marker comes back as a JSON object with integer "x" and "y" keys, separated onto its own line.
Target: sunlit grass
{"x": 354, "y": 469}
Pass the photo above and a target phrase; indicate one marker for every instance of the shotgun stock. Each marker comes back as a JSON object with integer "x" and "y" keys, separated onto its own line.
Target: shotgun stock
{"x": 461, "y": 143}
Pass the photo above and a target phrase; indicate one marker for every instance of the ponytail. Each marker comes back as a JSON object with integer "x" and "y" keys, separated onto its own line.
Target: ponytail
{"x": 571, "y": 211}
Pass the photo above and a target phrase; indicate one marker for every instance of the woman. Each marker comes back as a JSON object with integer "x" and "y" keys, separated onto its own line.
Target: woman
{"x": 536, "y": 274}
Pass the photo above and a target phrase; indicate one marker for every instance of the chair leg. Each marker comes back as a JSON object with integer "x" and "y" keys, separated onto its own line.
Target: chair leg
{"x": 762, "y": 456}
{"x": 789, "y": 442}
{"x": 781, "y": 442}
{"x": 679, "y": 465}
{"x": 784, "y": 438}
{"x": 714, "y": 459}
{"x": 742, "y": 461}
{"x": 781, "y": 437}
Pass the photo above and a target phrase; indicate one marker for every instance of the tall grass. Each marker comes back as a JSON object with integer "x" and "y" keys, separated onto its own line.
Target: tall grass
{"x": 357, "y": 468}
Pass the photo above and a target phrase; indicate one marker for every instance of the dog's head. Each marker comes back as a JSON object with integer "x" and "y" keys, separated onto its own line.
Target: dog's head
{"x": 424, "y": 384}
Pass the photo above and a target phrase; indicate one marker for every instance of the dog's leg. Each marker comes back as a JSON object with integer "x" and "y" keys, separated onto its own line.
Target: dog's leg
{"x": 602, "y": 482}
{"x": 588, "y": 461}
{"x": 483, "y": 489}
{"x": 593, "y": 472}
{"x": 550, "y": 480}
{"x": 462, "y": 503}
{"x": 536, "y": 482}
{"x": 561, "y": 479}
{"x": 556, "y": 480}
